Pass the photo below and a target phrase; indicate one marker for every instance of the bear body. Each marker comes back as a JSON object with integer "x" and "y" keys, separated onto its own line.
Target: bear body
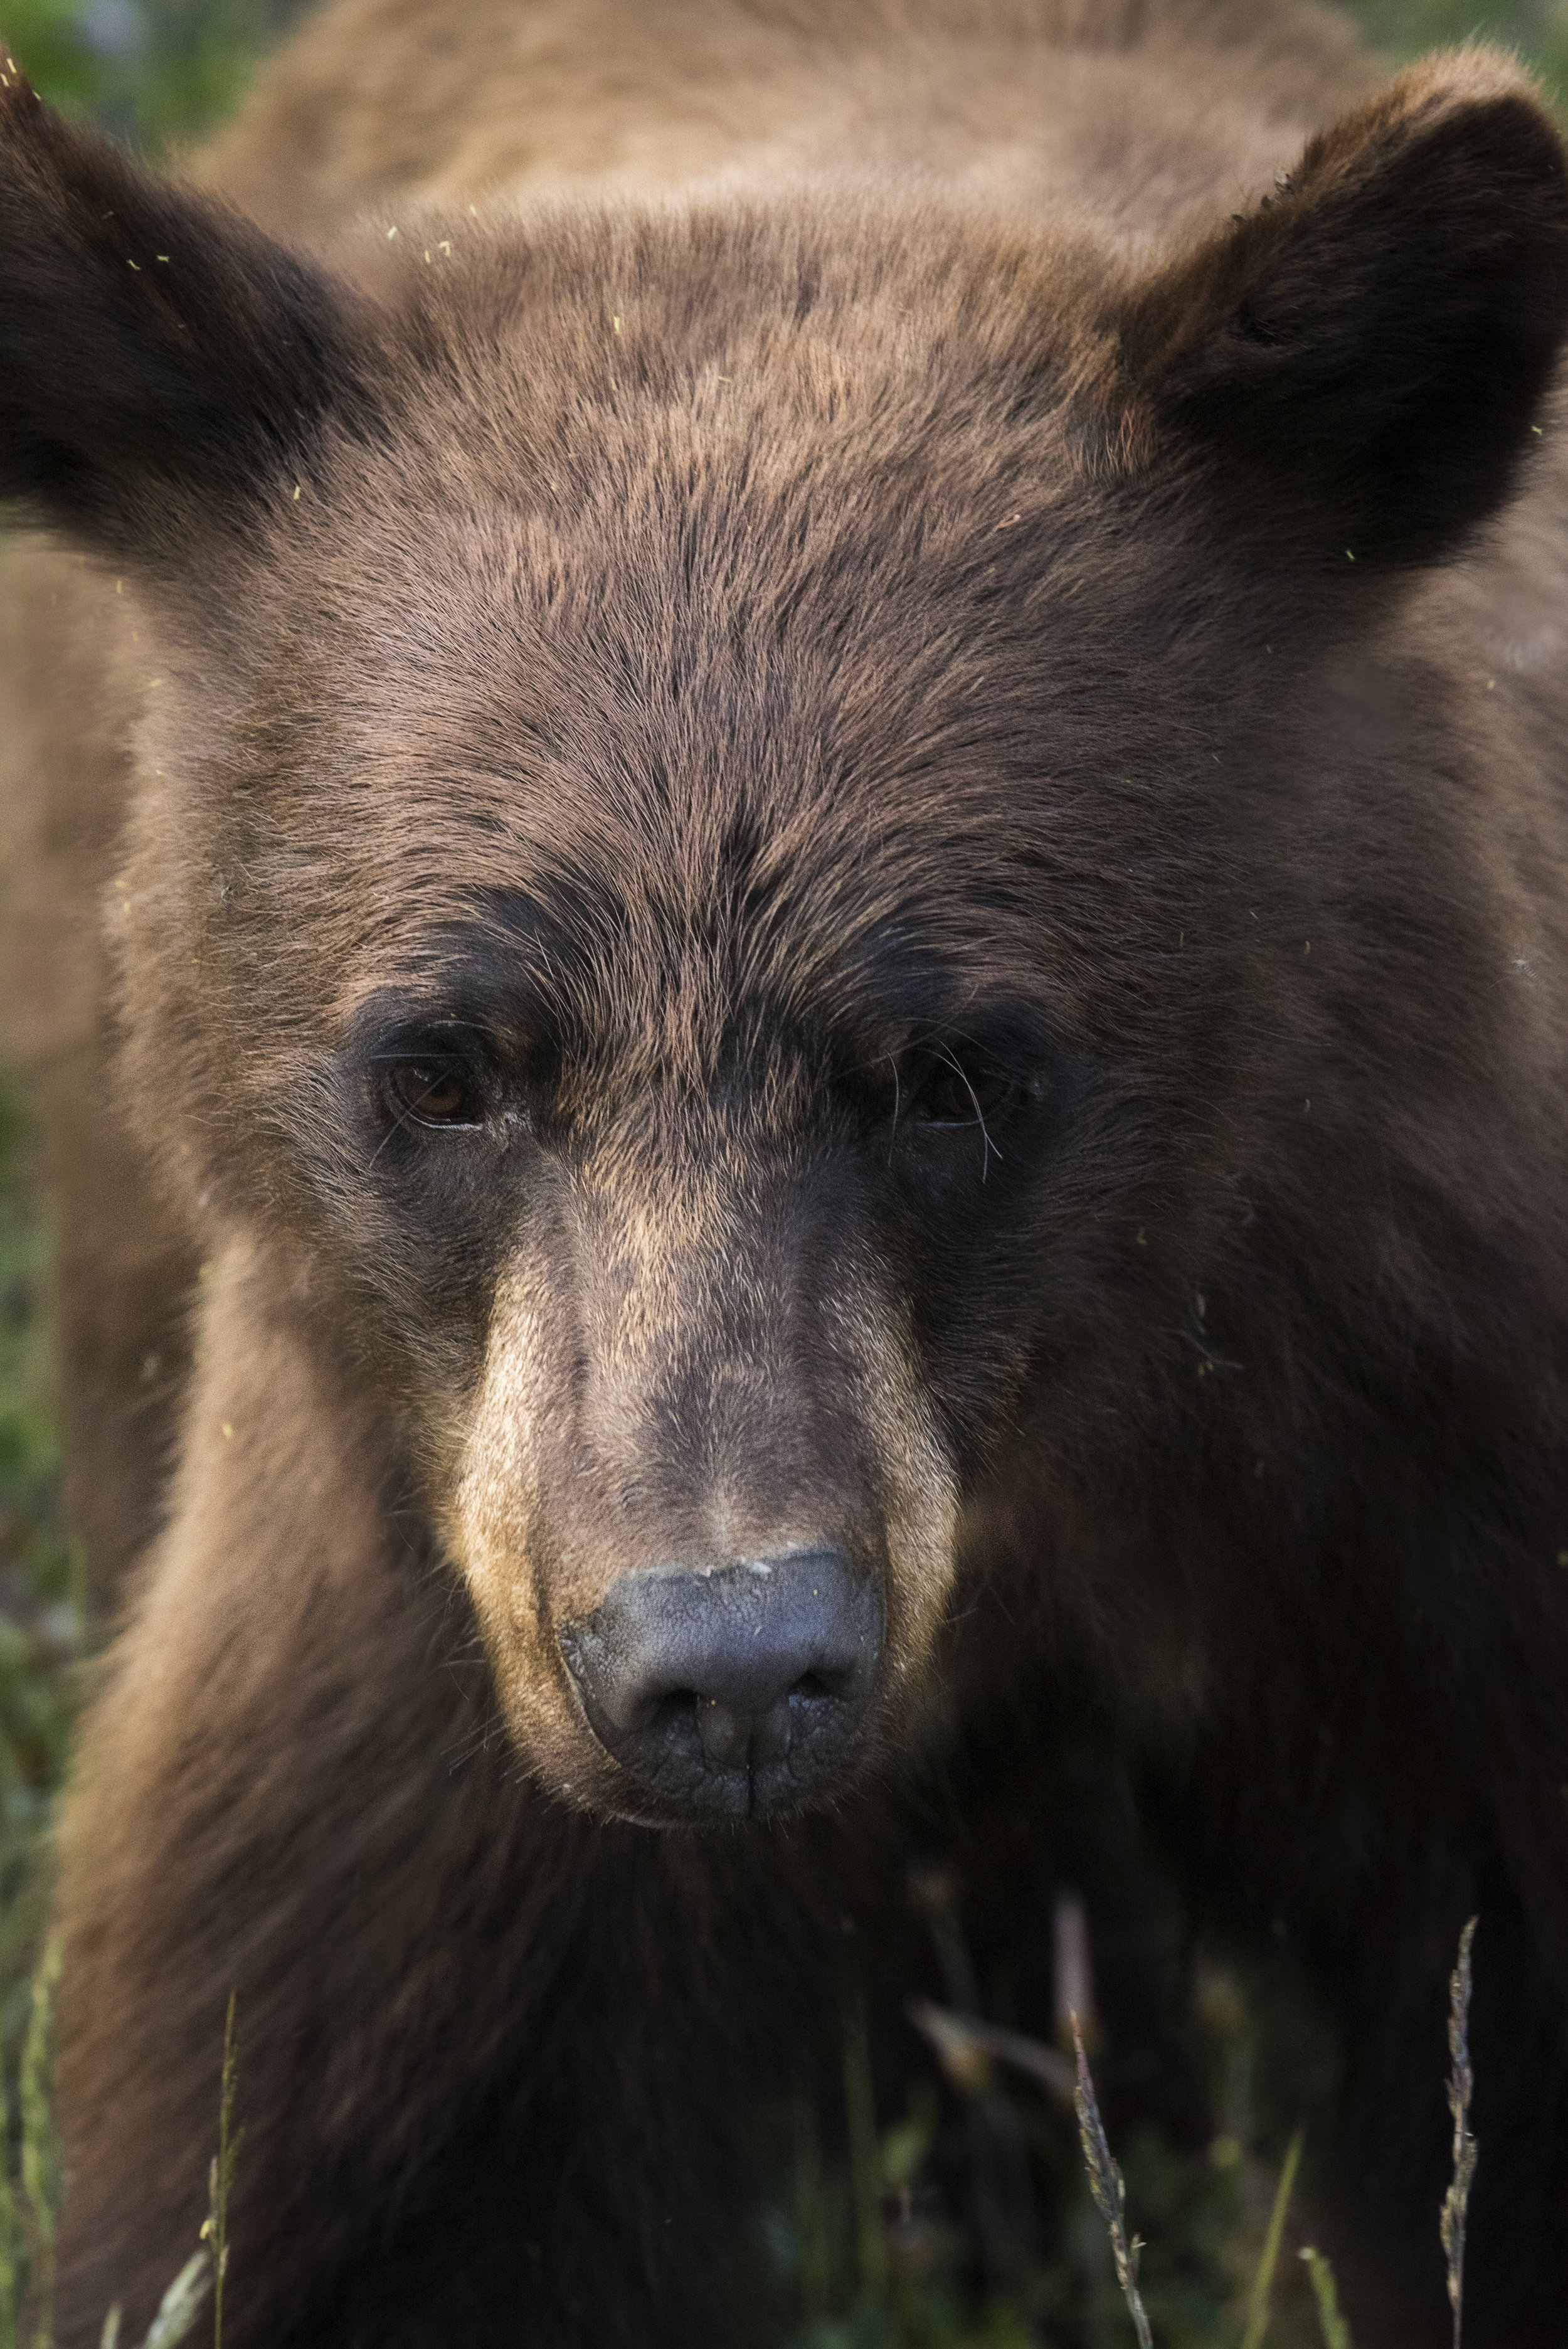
{"x": 836, "y": 870}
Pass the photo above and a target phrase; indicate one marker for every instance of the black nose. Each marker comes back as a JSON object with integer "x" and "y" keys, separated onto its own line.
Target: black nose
{"x": 733, "y": 1689}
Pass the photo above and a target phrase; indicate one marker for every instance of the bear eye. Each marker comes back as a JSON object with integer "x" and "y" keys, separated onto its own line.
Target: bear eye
{"x": 433, "y": 1096}
{"x": 955, "y": 1095}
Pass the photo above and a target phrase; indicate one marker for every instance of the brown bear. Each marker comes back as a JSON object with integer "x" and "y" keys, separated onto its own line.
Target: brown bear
{"x": 833, "y": 815}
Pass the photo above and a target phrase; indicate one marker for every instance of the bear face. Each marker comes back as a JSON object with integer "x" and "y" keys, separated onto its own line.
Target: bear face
{"x": 683, "y": 768}
{"x": 632, "y": 1116}
{"x": 673, "y": 1063}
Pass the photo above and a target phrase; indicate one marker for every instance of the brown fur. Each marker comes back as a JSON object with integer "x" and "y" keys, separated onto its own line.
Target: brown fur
{"x": 853, "y": 578}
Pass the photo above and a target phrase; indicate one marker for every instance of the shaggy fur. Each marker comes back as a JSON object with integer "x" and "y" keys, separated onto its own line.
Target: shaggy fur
{"x": 944, "y": 747}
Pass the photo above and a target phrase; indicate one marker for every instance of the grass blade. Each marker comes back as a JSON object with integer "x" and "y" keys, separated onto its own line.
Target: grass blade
{"x": 865, "y": 2163}
{"x": 181, "y": 2304}
{"x": 812, "y": 2216}
{"x": 1330, "y": 2324}
{"x": 221, "y": 2177}
{"x": 966, "y": 2047}
{"x": 1263, "y": 2282}
{"x": 38, "y": 2140}
{"x": 1109, "y": 2191}
{"x": 1462, "y": 2084}
{"x": 10, "y": 2266}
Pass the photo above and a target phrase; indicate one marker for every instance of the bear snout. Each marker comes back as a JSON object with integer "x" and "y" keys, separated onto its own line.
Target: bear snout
{"x": 731, "y": 1689}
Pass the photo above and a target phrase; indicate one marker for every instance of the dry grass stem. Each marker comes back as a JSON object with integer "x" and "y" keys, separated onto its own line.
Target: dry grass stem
{"x": 221, "y": 2177}
{"x": 1456, "y": 2202}
{"x": 1106, "y": 2184}
{"x": 966, "y": 2048}
{"x": 1074, "y": 1972}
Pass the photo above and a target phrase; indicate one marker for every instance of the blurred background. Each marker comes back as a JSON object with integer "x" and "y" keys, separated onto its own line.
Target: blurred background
{"x": 157, "y": 72}
{"x": 153, "y": 72}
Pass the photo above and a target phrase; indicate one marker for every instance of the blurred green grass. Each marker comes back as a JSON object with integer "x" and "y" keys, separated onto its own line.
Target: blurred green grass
{"x": 861, "y": 2254}
{"x": 41, "y": 1618}
{"x": 157, "y": 73}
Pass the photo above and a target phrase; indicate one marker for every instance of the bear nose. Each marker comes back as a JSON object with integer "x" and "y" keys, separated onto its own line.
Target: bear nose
{"x": 736, "y": 1689}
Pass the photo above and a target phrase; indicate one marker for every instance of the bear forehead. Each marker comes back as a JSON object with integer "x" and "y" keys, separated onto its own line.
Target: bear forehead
{"x": 719, "y": 420}
{"x": 835, "y": 664}
{"x": 831, "y": 301}
{"x": 788, "y": 825}
{"x": 753, "y": 626}
{"x": 748, "y": 766}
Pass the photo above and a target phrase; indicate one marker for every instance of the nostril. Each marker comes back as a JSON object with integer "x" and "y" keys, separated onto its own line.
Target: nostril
{"x": 732, "y": 1688}
{"x": 669, "y": 1705}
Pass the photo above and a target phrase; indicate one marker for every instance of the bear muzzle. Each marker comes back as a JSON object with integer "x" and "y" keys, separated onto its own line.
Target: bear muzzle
{"x": 735, "y": 1690}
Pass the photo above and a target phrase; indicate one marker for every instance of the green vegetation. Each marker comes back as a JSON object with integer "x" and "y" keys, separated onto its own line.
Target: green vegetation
{"x": 1537, "y": 28}
{"x": 159, "y": 72}
{"x": 1151, "y": 2245}
{"x": 155, "y": 72}
{"x": 40, "y": 1612}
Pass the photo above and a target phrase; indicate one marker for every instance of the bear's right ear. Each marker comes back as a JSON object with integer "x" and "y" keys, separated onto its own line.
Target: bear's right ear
{"x": 162, "y": 361}
{"x": 1360, "y": 360}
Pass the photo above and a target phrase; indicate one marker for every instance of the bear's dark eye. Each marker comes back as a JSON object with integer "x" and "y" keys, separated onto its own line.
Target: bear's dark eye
{"x": 955, "y": 1095}
{"x": 433, "y": 1096}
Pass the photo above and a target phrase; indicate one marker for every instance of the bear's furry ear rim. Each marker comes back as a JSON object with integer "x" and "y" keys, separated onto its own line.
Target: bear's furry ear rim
{"x": 1361, "y": 359}
{"x": 162, "y": 362}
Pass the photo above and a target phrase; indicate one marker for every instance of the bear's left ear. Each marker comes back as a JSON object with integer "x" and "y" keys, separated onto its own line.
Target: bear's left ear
{"x": 1364, "y": 355}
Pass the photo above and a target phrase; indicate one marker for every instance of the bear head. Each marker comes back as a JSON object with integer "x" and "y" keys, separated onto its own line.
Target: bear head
{"x": 698, "y": 799}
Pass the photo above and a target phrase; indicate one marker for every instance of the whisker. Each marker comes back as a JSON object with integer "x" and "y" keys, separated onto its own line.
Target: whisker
{"x": 957, "y": 1065}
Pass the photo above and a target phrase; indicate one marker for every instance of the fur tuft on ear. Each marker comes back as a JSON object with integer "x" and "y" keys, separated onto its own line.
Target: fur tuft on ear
{"x": 1377, "y": 340}
{"x": 156, "y": 349}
